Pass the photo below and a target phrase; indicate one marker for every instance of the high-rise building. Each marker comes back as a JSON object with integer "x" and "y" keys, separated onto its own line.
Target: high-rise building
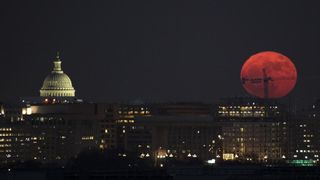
{"x": 49, "y": 132}
{"x": 253, "y": 130}
{"x": 167, "y": 131}
{"x": 304, "y": 137}
{"x": 304, "y": 141}
{"x": 116, "y": 128}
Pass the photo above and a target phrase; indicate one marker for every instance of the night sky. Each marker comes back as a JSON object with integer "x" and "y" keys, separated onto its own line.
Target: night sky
{"x": 155, "y": 50}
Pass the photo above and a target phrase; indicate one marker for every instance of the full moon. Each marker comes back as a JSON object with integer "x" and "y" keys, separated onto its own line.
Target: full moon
{"x": 268, "y": 75}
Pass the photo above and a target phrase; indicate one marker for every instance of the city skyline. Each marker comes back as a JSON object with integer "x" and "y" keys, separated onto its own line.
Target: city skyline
{"x": 160, "y": 89}
{"x": 168, "y": 51}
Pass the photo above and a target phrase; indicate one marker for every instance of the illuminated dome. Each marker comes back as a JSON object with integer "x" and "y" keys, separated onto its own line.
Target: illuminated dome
{"x": 57, "y": 83}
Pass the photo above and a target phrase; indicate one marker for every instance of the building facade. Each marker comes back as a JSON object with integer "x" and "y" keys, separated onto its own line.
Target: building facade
{"x": 253, "y": 130}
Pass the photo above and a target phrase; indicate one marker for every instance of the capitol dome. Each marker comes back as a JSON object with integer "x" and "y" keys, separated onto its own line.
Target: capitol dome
{"x": 57, "y": 83}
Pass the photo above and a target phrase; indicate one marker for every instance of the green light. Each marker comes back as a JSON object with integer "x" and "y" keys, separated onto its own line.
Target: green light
{"x": 302, "y": 162}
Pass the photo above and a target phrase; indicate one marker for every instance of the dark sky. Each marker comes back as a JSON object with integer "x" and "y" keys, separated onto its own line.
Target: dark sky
{"x": 117, "y": 50}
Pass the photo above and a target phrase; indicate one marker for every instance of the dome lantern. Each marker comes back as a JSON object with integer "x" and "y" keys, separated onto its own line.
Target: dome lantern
{"x": 57, "y": 64}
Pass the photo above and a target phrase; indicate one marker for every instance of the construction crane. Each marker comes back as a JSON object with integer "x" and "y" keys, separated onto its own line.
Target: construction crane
{"x": 265, "y": 80}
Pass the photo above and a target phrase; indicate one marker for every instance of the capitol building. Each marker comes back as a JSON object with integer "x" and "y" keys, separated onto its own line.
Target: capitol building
{"x": 57, "y": 83}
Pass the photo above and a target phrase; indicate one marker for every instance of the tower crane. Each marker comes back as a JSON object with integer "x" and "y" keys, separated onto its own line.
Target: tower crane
{"x": 266, "y": 79}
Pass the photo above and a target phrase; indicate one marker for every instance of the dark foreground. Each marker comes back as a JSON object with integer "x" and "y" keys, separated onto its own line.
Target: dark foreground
{"x": 183, "y": 173}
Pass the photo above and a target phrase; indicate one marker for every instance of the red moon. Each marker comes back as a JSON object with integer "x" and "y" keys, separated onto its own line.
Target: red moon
{"x": 268, "y": 75}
